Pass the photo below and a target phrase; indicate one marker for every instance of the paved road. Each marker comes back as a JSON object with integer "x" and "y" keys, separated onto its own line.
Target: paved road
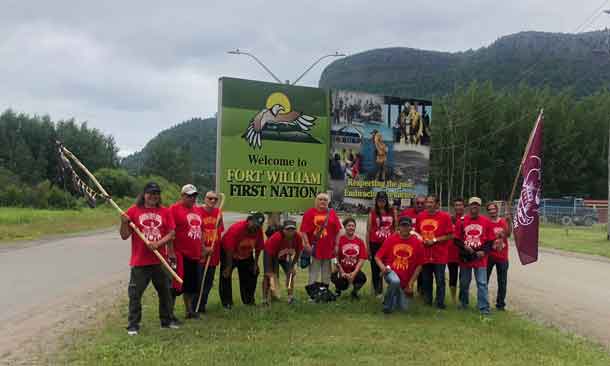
{"x": 62, "y": 281}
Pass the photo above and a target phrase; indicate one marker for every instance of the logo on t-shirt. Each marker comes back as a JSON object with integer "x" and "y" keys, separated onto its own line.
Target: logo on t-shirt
{"x": 428, "y": 227}
{"x": 473, "y": 234}
{"x": 350, "y": 252}
{"x": 210, "y": 236}
{"x": 499, "y": 232}
{"x": 151, "y": 222}
{"x": 402, "y": 253}
{"x": 194, "y": 222}
{"x": 384, "y": 224}
{"x": 318, "y": 221}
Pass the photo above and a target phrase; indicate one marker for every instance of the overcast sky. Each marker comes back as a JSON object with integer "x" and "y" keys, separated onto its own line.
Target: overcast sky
{"x": 134, "y": 68}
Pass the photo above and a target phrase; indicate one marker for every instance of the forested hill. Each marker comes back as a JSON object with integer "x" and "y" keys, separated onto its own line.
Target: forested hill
{"x": 183, "y": 153}
{"x": 556, "y": 60}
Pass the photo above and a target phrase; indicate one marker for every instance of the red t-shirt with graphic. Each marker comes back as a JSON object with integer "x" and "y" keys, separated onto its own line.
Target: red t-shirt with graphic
{"x": 381, "y": 227}
{"x": 402, "y": 255}
{"x": 474, "y": 233}
{"x": 453, "y": 252}
{"x": 351, "y": 250}
{"x": 188, "y": 230}
{"x": 154, "y": 223}
{"x": 211, "y": 235}
{"x": 500, "y": 230}
{"x": 431, "y": 226}
{"x": 280, "y": 247}
{"x": 312, "y": 223}
{"x": 241, "y": 242}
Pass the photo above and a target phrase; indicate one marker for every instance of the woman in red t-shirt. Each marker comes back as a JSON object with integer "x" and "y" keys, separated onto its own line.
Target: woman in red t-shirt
{"x": 380, "y": 226}
{"x": 322, "y": 227}
{"x": 157, "y": 225}
{"x": 498, "y": 256}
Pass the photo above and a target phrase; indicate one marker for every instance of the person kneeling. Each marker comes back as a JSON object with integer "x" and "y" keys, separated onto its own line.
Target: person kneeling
{"x": 400, "y": 259}
{"x": 283, "y": 249}
{"x": 351, "y": 254}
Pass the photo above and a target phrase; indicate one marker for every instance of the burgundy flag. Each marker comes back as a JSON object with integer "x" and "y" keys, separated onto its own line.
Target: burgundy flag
{"x": 526, "y": 218}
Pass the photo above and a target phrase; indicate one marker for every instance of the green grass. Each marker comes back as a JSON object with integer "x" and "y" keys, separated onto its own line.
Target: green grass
{"x": 28, "y": 223}
{"x": 587, "y": 240}
{"x": 341, "y": 333}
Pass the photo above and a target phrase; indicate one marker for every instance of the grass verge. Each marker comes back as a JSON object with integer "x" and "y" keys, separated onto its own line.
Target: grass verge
{"x": 28, "y": 223}
{"x": 587, "y": 240}
{"x": 341, "y": 333}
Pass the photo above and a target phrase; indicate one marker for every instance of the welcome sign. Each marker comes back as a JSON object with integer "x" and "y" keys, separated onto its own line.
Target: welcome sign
{"x": 273, "y": 141}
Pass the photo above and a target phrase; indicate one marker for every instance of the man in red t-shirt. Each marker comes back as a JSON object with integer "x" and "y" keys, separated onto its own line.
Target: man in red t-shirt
{"x": 241, "y": 248}
{"x": 474, "y": 236}
{"x": 436, "y": 230}
{"x": 282, "y": 249}
{"x": 187, "y": 247}
{"x": 498, "y": 256}
{"x": 157, "y": 225}
{"x": 416, "y": 208}
{"x": 351, "y": 256}
{"x": 453, "y": 253}
{"x": 213, "y": 227}
{"x": 400, "y": 258}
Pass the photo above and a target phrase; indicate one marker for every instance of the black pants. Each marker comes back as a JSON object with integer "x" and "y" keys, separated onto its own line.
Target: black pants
{"x": 375, "y": 271}
{"x": 341, "y": 284}
{"x": 139, "y": 279}
{"x": 502, "y": 273}
{"x": 432, "y": 271}
{"x": 247, "y": 281}
{"x": 207, "y": 287}
{"x": 453, "y": 274}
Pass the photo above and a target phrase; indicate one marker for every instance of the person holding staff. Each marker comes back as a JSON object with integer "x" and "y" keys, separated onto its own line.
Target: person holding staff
{"x": 381, "y": 224}
{"x": 282, "y": 249}
{"x": 156, "y": 223}
{"x": 322, "y": 228}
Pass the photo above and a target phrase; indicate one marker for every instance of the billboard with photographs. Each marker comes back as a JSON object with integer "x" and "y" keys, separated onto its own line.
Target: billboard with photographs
{"x": 378, "y": 143}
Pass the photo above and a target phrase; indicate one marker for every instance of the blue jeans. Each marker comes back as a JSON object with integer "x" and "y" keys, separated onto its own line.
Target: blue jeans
{"x": 395, "y": 298}
{"x": 480, "y": 275}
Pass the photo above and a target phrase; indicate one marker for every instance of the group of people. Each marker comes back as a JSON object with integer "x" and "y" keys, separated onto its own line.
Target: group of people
{"x": 403, "y": 247}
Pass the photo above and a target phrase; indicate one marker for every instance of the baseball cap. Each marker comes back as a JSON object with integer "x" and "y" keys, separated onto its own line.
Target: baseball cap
{"x": 476, "y": 200}
{"x": 257, "y": 217}
{"x": 405, "y": 220}
{"x": 289, "y": 224}
{"x": 189, "y": 189}
{"x": 152, "y": 187}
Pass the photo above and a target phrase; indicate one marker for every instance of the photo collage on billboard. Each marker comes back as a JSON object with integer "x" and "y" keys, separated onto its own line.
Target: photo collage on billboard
{"x": 378, "y": 143}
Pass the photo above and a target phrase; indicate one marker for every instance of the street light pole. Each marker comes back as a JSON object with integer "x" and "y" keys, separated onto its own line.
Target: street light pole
{"x": 238, "y": 52}
{"x": 336, "y": 54}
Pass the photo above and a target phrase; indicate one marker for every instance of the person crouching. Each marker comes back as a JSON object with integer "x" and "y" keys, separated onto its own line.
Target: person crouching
{"x": 351, "y": 256}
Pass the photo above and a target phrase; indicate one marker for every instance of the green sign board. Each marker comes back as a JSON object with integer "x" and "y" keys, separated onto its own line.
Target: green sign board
{"x": 272, "y": 150}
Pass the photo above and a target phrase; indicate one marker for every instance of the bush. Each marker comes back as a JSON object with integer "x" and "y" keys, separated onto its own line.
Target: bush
{"x": 117, "y": 182}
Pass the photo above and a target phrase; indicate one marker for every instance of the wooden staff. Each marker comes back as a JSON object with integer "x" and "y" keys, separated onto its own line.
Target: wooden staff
{"x": 207, "y": 262}
{"x": 121, "y": 212}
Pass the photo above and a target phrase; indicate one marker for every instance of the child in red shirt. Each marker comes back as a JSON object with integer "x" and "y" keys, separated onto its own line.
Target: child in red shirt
{"x": 351, "y": 255}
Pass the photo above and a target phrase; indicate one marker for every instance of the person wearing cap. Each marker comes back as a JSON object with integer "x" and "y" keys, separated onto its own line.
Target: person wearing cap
{"x": 282, "y": 249}
{"x": 322, "y": 228}
{"x": 474, "y": 236}
{"x": 213, "y": 227}
{"x": 157, "y": 224}
{"x": 453, "y": 253}
{"x": 400, "y": 258}
{"x": 381, "y": 224}
{"x": 241, "y": 247}
{"x": 187, "y": 247}
{"x": 436, "y": 229}
{"x": 498, "y": 256}
{"x": 350, "y": 258}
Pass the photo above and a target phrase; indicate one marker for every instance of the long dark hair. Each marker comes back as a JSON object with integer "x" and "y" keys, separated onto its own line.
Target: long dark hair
{"x": 382, "y": 194}
{"x": 140, "y": 201}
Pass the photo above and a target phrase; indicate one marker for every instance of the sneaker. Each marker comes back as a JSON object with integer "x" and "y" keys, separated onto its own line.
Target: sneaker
{"x": 227, "y": 306}
{"x": 379, "y": 296}
{"x": 355, "y": 296}
{"x": 292, "y": 300}
{"x": 132, "y": 331}
{"x": 500, "y": 308}
{"x": 171, "y": 325}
